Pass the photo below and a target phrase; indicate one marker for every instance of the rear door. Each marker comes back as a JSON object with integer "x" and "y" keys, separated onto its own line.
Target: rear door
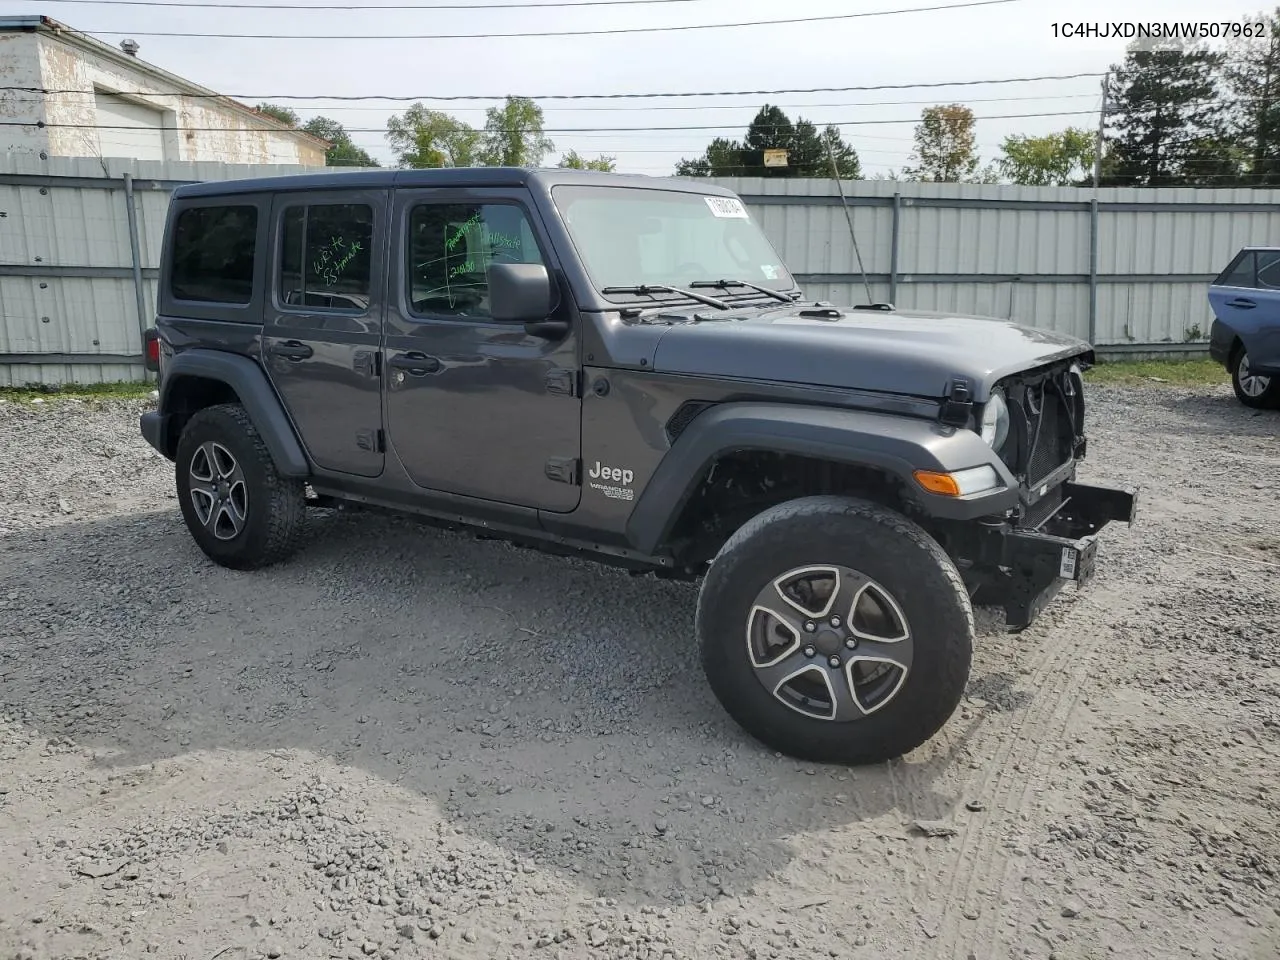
{"x": 323, "y": 323}
{"x": 1246, "y": 297}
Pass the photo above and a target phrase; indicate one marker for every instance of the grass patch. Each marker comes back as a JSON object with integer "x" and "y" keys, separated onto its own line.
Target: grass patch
{"x": 122, "y": 390}
{"x": 1182, "y": 373}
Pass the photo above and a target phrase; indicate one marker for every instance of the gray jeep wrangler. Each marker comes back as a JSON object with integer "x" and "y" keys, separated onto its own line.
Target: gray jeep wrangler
{"x": 621, "y": 367}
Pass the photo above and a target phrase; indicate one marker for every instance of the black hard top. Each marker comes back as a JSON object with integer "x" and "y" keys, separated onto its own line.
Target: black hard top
{"x": 443, "y": 177}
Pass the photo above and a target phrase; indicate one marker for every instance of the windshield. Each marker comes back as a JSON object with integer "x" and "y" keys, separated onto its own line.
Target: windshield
{"x": 629, "y": 237}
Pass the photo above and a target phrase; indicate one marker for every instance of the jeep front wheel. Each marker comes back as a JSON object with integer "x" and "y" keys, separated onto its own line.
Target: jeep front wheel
{"x": 835, "y": 630}
{"x": 239, "y": 510}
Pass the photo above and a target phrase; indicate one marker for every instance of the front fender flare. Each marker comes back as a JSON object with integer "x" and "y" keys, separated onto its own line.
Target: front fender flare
{"x": 256, "y": 394}
{"x": 897, "y": 445}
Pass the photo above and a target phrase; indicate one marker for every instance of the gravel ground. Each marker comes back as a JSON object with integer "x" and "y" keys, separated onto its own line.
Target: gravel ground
{"x": 407, "y": 742}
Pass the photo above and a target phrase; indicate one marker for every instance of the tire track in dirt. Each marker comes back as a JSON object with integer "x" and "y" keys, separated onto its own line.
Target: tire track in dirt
{"x": 1057, "y": 673}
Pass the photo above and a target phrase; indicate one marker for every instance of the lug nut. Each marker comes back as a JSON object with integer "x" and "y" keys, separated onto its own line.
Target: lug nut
{"x": 810, "y": 626}
{"x": 833, "y": 662}
{"x": 852, "y": 643}
{"x": 835, "y": 621}
{"x": 809, "y": 651}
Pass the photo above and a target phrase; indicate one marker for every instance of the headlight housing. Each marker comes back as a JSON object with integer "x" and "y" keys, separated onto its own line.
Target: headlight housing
{"x": 995, "y": 420}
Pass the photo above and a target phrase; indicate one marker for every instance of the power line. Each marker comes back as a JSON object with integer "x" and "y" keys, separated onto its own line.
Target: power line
{"x": 703, "y": 106}
{"x": 610, "y": 31}
{"x": 539, "y": 4}
{"x": 569, "y": 96}
{"x": 729, "y": 126}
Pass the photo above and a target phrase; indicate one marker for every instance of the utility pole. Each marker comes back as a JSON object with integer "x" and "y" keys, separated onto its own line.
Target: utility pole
{"x": 1102, "y": 129}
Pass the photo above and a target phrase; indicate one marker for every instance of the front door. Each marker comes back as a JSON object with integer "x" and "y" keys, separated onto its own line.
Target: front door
{"x": 474, "y": 406}
{"x": 323, "y": 323}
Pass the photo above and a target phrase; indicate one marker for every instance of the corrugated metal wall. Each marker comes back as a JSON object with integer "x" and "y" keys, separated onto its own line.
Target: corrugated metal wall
{"x": 1021, "y": 252}
{"x": 68, "y": 307}
{"x": 68, "y": 310}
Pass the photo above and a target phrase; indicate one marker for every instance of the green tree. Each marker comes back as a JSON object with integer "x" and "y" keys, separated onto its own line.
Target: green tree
{"x": 944, "y": 151}
{"x": 342, "y": 151}
{"x": 573, "y": 161}
{"x": 722, "y": 158}
{"x": 1167, "y": 122}
{"x": 1252, "y": 79}
{"x": 847, "y": 163}
{"x": 275, "y": 112}
{"x": 513, "y": 134}
{"x": 1054, "y": 160}
{"x": 772, "y": 129}
{"x": 431, "y": 138}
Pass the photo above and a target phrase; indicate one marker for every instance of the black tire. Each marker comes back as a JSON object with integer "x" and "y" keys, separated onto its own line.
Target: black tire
{"x": 271, "y": 508}
{"x": 1267, "y": 399}
{"x": 897, "y": 556}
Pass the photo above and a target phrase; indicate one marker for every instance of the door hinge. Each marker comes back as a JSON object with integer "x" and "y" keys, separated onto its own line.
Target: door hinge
{"x": 565, "y": 382}
{"x": 368, "y": 363}
{"x": 564, "y": 469}
{"x": 374, "y": 441}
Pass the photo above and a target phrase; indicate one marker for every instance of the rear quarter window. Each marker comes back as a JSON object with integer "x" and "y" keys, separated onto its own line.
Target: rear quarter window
{"x": 1240, "y": 273}
{"x": 213, "y": 254}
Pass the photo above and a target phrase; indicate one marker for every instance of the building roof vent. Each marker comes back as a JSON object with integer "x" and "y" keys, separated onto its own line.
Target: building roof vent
{"x": 130, "y": 47}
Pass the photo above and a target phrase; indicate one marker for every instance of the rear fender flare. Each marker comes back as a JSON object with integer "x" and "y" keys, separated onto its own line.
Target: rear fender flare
{"x": 256, "y": 394}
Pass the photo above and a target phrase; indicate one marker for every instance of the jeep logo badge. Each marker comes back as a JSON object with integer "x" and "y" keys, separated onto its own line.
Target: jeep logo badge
{"x": 616, "y": 474}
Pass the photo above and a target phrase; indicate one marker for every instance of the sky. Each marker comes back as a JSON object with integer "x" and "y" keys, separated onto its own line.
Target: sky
{"x": 1014, "y": 39}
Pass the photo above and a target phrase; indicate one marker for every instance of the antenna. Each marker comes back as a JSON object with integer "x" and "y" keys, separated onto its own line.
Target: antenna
{"x": 848, "y": 216}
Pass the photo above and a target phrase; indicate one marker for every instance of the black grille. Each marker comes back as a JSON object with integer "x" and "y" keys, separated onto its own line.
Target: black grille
{"x": 1045, "y": 434}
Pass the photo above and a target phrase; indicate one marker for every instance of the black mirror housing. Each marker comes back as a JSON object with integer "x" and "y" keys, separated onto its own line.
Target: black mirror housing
{"x": 519, "y": 292}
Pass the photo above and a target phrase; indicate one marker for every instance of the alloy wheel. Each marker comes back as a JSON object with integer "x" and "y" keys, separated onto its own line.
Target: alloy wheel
{"x": 218, "y": 490}
{"x": 829, "y": 642}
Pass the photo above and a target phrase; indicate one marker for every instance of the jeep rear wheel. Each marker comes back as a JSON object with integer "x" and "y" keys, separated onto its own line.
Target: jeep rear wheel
{"x": 1253, "y": 389}
{"x": 835, "y": 630}
{"x": 239, "y": 510}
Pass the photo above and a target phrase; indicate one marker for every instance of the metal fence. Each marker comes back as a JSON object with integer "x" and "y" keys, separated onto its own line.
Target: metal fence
{"x": 1126, "y": 269}
{"x": 79, "y": 254}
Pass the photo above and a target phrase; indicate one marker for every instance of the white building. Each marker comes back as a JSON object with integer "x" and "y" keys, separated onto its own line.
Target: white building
{"x": 65, "y": 94}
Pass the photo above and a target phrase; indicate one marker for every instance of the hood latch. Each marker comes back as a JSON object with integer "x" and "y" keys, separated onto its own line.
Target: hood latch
{"x": 958, "y": 406}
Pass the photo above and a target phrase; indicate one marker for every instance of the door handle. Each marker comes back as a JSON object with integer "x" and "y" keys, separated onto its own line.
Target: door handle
{"x": 415, "y": 364}
{"x": 291, "y": 350}
{"x": 1242, "y": 303}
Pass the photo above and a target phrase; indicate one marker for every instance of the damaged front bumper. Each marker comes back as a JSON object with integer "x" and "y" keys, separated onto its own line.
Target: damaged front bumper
{"x": 1022, "y": 568}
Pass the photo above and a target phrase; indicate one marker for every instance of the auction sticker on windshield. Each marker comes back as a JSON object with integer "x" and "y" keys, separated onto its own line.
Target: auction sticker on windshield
{"x": 730, "y": 207}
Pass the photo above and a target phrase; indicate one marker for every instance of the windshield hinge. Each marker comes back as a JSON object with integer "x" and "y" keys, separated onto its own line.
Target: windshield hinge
{"x": 958, "y": 406}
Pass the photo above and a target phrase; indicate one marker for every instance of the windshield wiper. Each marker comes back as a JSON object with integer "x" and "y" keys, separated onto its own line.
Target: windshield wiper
{"x": 727, "y": 284}
{"x": 648, "y": 289}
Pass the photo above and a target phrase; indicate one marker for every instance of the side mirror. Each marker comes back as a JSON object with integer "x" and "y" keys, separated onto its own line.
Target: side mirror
{"x": 519, "y": 292}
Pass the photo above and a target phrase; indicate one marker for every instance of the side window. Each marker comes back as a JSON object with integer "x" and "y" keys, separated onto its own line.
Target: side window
{"x": 1269, "y": 269}
{"x": 1239, "y": 274}
{"x": 450, "y": 248}
{"x": 325, "y": 256}
{"x": 213, "y": 254}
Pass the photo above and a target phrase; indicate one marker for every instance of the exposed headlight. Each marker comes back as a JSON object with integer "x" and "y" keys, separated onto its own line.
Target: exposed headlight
{"x": 995, "y": 420}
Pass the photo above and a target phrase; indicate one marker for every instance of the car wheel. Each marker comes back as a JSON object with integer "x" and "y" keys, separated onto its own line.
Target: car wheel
{"x": 835, "y": 630}
{"x": 1253, "y": 389}
{"x": 239, "y": 510}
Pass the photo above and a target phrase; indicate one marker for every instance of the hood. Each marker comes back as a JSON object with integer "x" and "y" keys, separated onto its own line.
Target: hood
{"x": 894, "y": 351}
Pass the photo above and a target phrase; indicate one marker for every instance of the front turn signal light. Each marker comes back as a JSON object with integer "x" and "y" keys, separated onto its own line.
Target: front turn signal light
{"x": 958, "y": 483}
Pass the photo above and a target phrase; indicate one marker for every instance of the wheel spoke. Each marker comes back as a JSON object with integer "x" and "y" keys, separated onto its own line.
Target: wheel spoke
{"x": 786, "y": 677}
{"x": 875, "y": 616}
{"x": 867, "y": 686}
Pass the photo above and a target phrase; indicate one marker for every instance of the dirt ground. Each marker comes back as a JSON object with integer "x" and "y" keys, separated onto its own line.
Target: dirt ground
{"x": 406, "y": 742}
